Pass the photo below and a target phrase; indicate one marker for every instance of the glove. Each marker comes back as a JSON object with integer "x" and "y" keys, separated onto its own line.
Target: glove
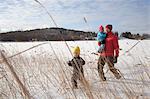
{"x": 115, "y": 59}
{"x": 103, "y": 42}
{"x": 69, "y": 63}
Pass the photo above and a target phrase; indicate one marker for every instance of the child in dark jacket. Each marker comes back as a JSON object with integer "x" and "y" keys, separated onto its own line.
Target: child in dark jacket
{"x": 77, "y": 63}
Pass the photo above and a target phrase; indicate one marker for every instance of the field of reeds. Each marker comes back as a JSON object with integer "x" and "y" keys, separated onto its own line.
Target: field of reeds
{"x": 39, "y": 70}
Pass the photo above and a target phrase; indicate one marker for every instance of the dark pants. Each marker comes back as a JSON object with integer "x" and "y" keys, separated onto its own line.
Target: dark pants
{"x": 77, "y": 75}
{"x": 109, "y": 60}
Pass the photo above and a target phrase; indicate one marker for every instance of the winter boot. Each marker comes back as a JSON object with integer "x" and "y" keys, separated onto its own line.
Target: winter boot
{"x": 118, "y": 76}
{"x": 74, "y": 87}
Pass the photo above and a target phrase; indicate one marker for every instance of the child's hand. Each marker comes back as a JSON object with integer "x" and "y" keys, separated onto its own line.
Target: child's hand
{"x": 69, "y": 63}
{"x": 99, "y": 43}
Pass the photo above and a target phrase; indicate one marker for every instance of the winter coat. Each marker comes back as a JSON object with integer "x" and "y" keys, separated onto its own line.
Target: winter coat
{"x": 77, "y": 64}
{"x": 101, "y": 36}
{"x": 111, "y": 45}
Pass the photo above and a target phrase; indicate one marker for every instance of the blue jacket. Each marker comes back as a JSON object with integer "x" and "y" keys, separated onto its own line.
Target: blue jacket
{"x": 101, "y": 36}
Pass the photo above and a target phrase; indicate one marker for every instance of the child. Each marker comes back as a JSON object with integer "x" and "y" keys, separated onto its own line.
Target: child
{"x": 77, "y": 63}
{"x": 101, "y": 39}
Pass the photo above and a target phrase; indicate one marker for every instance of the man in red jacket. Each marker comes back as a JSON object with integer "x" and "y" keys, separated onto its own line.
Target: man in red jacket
{"x": 109, "y": 55}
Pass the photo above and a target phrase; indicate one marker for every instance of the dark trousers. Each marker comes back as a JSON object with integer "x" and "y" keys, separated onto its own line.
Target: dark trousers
{"x": 77, "y": 75}
{"x": 109, "y": 60}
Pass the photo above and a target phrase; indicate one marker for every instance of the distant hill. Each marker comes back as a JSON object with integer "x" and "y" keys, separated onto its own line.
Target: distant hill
{"x": 137, "y": 36}
{"x": 47, "y": 34}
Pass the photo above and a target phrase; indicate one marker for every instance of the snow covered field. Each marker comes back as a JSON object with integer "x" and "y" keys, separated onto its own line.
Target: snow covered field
{"x": 44, "y": 73}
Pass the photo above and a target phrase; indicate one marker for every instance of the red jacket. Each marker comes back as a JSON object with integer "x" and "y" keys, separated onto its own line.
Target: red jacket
{"x": 111, "y": 45}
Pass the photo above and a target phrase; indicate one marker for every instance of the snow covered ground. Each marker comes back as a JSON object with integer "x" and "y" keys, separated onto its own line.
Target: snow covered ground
{"x": 42, "y": 68}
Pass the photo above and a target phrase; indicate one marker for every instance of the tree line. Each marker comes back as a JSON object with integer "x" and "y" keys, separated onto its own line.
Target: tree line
{"x": 137, "y": 36}
{"x": 60, "y": 34}
{"x": 47, "y": 34}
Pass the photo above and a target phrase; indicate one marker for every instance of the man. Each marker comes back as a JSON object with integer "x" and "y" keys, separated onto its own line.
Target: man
{"x": 109, "y": 55}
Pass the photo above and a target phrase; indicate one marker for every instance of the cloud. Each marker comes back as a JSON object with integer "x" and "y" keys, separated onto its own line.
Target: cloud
{"x": 125, "y": 15}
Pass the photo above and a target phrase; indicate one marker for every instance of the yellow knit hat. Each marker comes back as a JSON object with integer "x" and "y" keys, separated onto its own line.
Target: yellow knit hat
{"x": 76, "y": 50}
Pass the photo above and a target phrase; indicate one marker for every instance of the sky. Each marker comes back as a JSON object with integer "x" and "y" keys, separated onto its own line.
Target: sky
{"x": 124, "y": 15}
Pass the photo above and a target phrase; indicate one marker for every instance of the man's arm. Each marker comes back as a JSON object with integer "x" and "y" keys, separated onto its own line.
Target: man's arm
{"x": 116, "y": 46}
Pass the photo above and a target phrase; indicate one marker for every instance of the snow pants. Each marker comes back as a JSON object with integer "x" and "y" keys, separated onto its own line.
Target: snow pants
{"x": 109, "y": 60}
{"x": 77, "y": 75}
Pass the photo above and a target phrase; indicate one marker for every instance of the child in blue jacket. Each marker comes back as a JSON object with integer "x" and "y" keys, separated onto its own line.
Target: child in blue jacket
{"x": 101, "y": 35}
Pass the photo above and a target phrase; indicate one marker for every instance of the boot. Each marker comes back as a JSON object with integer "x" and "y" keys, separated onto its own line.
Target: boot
{"x": 103, "y": 78}
{"x": 74, "y": 87}
{"x": 118, "y": 76}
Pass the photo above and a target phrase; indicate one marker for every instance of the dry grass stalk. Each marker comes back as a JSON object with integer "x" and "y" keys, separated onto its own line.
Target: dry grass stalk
{"x": 25, "y": 92}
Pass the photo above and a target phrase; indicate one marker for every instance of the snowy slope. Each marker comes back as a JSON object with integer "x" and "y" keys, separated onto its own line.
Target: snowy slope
{"x": 44, "y": 72}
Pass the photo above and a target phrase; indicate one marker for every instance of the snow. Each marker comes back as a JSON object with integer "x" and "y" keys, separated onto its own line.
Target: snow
{"x": 44, "y": 72}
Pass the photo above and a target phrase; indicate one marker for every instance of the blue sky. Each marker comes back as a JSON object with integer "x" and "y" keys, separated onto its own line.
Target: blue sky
{"x": 124, "y": 15}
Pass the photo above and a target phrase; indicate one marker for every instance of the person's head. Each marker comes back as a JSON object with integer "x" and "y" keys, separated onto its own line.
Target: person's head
{"x": 108, "y": 28}
{"x": 101, "y": 28}
{"x": 76, "y": 51}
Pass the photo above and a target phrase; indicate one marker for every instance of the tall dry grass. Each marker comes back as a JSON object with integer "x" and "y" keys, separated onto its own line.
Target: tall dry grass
{"x": 37, "y": 73}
